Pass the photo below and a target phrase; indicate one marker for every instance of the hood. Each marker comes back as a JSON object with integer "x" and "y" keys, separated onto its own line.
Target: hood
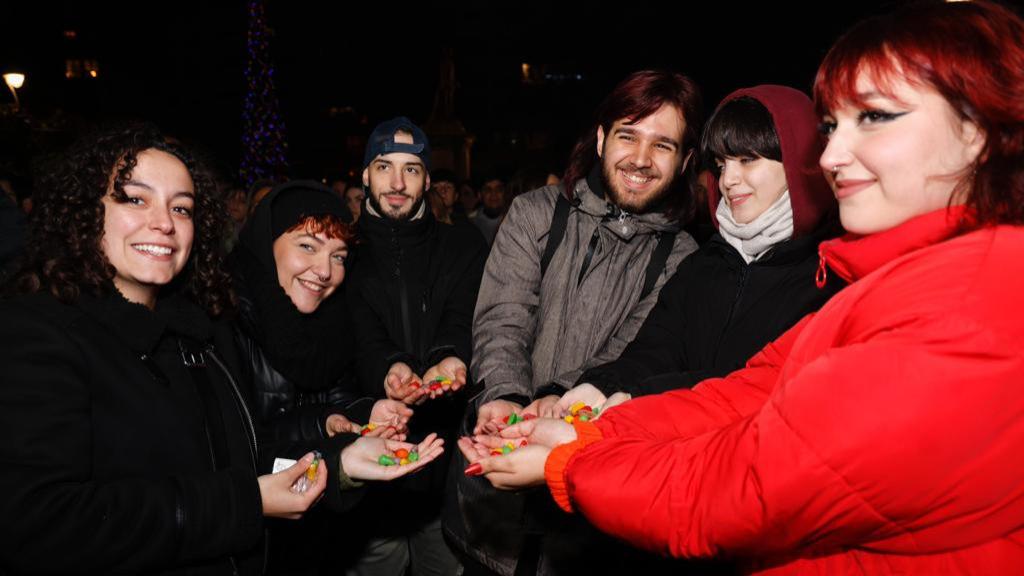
{"x": 796, "y": 123}
{"x": 256, "y": 239}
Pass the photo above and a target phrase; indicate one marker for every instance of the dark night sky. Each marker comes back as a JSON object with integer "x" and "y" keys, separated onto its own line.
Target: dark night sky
{"x": 182, "y": 66}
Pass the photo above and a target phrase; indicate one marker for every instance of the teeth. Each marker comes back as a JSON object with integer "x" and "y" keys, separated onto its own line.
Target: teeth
{"x": 636, "y": 179}
{"x": 311, "y": 286}
{"x": 153, "y": 249}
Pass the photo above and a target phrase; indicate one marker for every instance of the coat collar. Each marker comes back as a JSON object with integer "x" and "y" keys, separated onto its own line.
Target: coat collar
{"x": 855, "y": 256}
{"x": 140, "y": 328}
{"x": 592, "y": 200}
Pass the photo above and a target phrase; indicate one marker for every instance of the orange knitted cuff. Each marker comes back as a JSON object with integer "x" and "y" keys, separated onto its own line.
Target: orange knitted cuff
{"x": 554, "y": 466}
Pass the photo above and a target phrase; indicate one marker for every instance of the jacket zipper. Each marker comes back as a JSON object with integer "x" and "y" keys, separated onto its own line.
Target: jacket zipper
{"x": 254, "y": 449}
{"x": 744, "y": 272}
{"x": 821, "y": 276}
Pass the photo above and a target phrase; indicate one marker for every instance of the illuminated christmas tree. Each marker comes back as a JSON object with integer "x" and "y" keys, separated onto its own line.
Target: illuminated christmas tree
{"x": 263, "y": 134}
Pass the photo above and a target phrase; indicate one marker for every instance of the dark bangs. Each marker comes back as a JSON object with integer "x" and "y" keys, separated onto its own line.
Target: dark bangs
{"x": 741, "y": 127}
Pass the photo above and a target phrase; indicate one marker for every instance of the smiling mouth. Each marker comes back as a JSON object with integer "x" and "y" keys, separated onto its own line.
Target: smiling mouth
{"x": 636, "y": 179}
{"x": 152, "y": 249}
{"x": 739, "y": 199}
{"x": 313, "y": 287}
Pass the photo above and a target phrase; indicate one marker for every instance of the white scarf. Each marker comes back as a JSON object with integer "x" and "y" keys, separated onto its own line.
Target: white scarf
{"x": 755, "y": 238}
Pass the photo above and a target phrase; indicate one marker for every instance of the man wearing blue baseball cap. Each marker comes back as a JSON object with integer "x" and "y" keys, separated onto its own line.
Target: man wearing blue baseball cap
{"x": 411, "y": 292}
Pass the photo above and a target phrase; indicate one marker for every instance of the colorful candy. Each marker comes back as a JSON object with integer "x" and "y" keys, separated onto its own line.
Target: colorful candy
{"x": 581, "y": 411}
{"x": 400, "y": 457}
{"x": 507, "y": 448}
{"x": 309, "y": 478}
{"x": 514, "y": 418}
{"x": 367, "y": 429}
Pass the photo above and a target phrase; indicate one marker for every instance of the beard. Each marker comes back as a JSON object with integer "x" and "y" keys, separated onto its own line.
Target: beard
{"x": 386, "y": 211}
{"x": 652, "y": 201}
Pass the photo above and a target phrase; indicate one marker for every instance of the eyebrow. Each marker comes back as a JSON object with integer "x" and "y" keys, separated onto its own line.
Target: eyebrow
{"x": 186, "y": 193}
{"x": 311, "y": 237}
{"x": 658, "y": 137}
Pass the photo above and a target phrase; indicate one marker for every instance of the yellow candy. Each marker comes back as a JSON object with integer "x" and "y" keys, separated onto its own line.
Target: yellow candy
{"x": 568, "y": 419}
{"x": 403, "y": 461}
{"x": 576, "y": 407}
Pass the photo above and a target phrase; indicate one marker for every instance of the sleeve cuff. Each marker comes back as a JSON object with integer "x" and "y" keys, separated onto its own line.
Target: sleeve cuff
{"x": 344, "y": 482}
{"x": 558, "y": 460}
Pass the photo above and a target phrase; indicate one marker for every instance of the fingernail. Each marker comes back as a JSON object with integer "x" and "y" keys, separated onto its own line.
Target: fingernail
{"x": 474, "y": 470}
{"x": 529, "y": 416}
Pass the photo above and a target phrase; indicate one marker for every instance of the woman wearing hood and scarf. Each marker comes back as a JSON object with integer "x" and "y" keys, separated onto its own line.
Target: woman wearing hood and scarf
{"x": 754, "y": 278}
{"x": 296, "y": 346}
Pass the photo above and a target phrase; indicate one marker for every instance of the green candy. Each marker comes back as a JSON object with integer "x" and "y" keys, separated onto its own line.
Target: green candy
{"x": 414, "y": 456}
{"x": 386, "y": 460}
{"x": 505, "y": 449}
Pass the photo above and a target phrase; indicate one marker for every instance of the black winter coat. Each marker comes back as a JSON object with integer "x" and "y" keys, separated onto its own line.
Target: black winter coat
{"x": 117, "y": 457}
{"x": 715, "y": 313}
{"x": 411, "y": 294}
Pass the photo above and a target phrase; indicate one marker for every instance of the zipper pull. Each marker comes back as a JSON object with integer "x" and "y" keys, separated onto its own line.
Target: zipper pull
{"x": 821, "y": 276}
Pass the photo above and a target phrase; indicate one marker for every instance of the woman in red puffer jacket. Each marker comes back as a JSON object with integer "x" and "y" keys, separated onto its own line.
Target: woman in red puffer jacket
{"x": 881, "y": 434}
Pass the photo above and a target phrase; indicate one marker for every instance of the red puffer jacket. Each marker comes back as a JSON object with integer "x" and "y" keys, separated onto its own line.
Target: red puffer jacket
{"x": 882, "y": 435}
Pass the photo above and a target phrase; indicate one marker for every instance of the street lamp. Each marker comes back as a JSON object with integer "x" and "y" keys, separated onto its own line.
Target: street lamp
{"x": 14, "y": 80}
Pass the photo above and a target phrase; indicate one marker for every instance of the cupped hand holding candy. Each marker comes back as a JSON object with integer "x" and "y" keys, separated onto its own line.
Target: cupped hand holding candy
{"x": 402, "y": 384}
{"x": 549, "y": 432}
{"x": 521, "y": 467}
{"x": 361, "y": 460}
{"x": 588, "y": 394}
{"x": 493, "y": 416}
{"x": 544, "y": 407}
{"x": 447, "y": 376}
{"x": 393, "y": 414}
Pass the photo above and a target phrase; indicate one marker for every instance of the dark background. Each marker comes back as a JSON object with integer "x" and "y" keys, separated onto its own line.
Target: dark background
{"x": 342, "y": 67}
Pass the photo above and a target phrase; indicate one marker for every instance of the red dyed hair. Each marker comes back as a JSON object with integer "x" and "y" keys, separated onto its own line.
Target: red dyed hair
{"x": 637, "y": 97}
{"x": 971, "y": 53}
{"x": 328, "y": 224}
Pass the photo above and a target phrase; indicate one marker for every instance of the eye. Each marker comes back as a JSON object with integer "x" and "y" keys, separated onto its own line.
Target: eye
{"x": 135, "y": 201}
{"x": 875, "y": 116}
{"x": 412, "y": 169}
{"x": 747, "y": 160}
{"x": 381, "y": 167}
{"x": 626, "y": 137}
{"x": 666, "y": 147}
{"x": 340, "y": 258}
{"x": 826, "y": 127}
{"x": 183, "y": 210}
{"x": 307, "y": 247}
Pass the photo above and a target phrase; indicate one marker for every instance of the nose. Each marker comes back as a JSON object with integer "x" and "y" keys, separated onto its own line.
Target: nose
{"x": 730, "y": 174}
{"x": 322, "y": 267}
{"x": 397, "y": 180}
{"x": 160, "y": 219}
{"x": 641, "y": 156}
{"x": 836, "y": 155}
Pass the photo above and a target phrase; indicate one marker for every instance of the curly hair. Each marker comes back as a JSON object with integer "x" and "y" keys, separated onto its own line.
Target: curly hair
{"x": 64, "y": 254}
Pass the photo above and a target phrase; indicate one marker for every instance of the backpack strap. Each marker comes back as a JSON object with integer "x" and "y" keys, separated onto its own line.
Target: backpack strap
{"x": 556, "y": 232}
{"x": 657, "y": 262}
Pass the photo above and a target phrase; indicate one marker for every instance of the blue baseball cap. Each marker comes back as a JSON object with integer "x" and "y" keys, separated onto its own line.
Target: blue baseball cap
{"x": 382, "y": 141}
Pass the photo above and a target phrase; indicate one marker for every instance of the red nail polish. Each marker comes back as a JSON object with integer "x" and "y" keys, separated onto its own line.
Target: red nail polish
{"x": 529, "y": 416}
{"x": 474, "y": 470}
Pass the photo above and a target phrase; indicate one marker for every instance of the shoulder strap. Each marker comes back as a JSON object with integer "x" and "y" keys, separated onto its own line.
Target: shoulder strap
{"x": 556, "y": 232}
{"x": 657, "y": 262}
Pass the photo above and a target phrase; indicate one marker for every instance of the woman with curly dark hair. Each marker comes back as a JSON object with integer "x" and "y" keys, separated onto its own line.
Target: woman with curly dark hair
{"x": 127, "y": 444}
